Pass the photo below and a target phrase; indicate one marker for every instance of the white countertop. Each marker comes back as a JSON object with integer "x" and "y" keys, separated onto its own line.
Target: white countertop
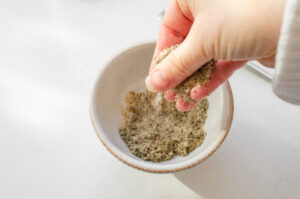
{"x": 49, "y": 54}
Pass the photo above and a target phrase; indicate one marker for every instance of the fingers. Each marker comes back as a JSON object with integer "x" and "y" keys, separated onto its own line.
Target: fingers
{"x": 222, "y": 71}
{"x": 174, "y": 28}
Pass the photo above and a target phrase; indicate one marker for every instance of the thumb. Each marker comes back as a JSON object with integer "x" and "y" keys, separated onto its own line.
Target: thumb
{"x": 177, "y": 66}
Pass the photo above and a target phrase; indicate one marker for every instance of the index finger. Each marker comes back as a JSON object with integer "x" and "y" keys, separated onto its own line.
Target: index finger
{"x": 173, "y": 30}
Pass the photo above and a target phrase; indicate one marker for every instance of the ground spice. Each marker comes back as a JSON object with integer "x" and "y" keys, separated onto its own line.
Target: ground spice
{"x": 155, "y": 130}
{"x": 199, "y": 78}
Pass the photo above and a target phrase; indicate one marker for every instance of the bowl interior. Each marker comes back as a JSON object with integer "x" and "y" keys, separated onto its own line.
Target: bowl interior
{"x": 127, "y": 71}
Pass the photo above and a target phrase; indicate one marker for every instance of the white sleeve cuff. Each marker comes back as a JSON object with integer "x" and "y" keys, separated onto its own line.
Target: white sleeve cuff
{"x": 286, "y": 82}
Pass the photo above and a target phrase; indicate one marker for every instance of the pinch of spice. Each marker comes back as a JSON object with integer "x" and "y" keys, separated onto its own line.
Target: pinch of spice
{"x": 199, "y": 78}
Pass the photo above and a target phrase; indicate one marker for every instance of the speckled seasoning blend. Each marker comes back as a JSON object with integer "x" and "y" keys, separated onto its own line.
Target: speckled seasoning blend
{"x": 154, "y": 130}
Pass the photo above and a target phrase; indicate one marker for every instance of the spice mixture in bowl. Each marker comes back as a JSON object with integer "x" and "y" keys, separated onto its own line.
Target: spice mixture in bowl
{"x": 158, "y": 132}
{"x": 197, "y": 135}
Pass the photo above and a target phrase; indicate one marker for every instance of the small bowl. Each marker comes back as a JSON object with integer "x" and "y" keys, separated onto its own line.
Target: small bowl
{"x": 127, "y": 71}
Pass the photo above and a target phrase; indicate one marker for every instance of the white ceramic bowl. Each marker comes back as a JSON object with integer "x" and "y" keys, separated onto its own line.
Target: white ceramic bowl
{"x": 127, "y": 71}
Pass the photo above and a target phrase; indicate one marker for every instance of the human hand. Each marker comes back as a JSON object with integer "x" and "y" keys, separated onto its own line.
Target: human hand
{"x": 231, "y": 32}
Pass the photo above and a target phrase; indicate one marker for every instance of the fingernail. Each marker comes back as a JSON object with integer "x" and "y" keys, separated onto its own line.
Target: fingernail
{"x": 196, "y": 90}
{"x": 157, "y": 81}
{"x": 196, "y": 93}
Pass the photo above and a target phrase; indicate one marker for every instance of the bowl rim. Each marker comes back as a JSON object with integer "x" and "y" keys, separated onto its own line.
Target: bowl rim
{"x": 154, "y": 170}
